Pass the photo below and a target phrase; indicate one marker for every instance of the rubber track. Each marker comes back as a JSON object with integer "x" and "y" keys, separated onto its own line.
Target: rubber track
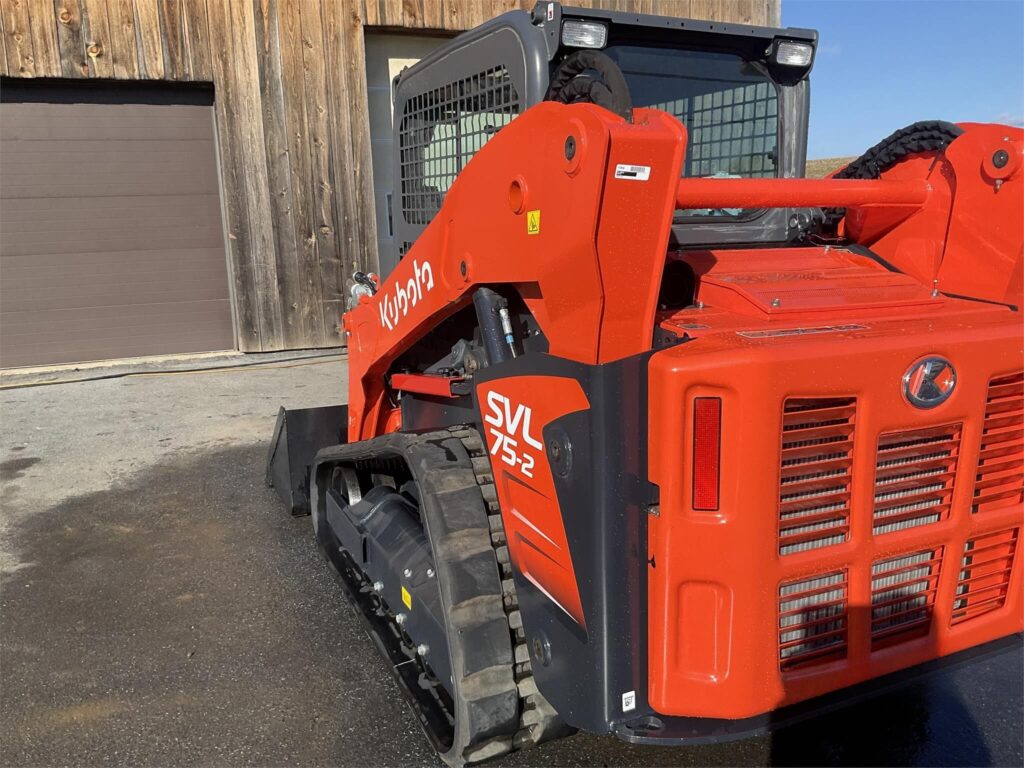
{"x": 923, "y": 136}
{"x": 498, "y": 707}
{"x": 538, "y": 720}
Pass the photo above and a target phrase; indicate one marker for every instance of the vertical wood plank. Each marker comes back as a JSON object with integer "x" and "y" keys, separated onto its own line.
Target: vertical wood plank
{"x": 236, "y": 209}
{"x": 492, "y": 9}
{"x": 299, "y": 297}
{"x": 18, "y": 38}
{"x": 473, "y": 12}
{"x": 346, "y": 117}
{"x": 245, "y": 71}
{"x": 173, "y": 34}
{"x": 368, "y": 11}
{"x": 332, "y": 209}
{"x": 150, "y": 38}
{"x": 3, "y": 49}
{"x": 413, "y": 13}
{"x": 123, "y": 43}
{"x": 44, "y": 41}
{"x": 361, "y": 172}
{"x": 454, "y": 14}
{"x": 70, "y": 40}
{"x": 307, "y": 257}
{"x": 197, "y": 32}
{"x": 738, "y": 11}
{"x": 679, "y": 8}
{"x": 390, "y": 12}
{"x": 709, "y": 10}
{"x": 433, "y": 14}
{"x": 96, "y": 38}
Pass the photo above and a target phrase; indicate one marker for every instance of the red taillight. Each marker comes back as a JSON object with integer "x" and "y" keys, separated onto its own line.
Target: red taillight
{"x": 707, "y": 449}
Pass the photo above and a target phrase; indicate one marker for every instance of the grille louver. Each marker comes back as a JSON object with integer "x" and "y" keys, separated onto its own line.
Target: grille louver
{"x": 815, "y": 477}
{"x": 984, "y": 574}
{"x": 914, "y": 473}
{"x": 812, "y": 619}
{"x": 1000, "y": 478}
{"x": 903, "y": 596}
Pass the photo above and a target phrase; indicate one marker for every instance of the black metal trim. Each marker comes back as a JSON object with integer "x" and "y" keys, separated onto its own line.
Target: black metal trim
{"x": 605, "y": 499}
{"x": 669, "y": 731}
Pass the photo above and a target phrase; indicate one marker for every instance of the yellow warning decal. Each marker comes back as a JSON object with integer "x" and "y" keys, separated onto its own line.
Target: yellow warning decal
{"x": 407, "y": 598}
{"x": 533, "y": 222}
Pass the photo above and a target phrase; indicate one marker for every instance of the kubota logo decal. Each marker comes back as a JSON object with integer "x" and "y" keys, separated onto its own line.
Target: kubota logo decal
{"x": 509, "y": 425}
{"x": 397, "y": 301}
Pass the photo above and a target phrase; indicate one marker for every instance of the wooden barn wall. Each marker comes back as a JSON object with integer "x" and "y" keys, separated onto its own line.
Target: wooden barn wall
{"x": 291, "y": 114}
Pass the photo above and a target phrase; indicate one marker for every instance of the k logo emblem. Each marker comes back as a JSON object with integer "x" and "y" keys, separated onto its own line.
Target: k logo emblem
{"x": 929, "y": 382}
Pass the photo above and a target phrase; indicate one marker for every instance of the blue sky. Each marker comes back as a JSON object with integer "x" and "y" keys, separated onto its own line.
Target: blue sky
{"x": 883, "y": 64}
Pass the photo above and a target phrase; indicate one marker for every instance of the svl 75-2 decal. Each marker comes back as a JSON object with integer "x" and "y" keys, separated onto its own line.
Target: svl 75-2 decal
{"x": 509, "y": 432}
{"x": 515, "y": 411}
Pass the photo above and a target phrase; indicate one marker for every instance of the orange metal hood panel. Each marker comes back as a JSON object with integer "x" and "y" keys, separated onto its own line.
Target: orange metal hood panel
{"x": 789, "y": 281}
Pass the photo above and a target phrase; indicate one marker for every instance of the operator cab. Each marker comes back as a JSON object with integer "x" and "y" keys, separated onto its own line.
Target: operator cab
{"x": 740, "y": 90}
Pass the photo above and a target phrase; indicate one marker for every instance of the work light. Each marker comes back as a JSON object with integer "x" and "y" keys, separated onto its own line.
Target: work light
{"x": 790, "y": 53}
{"x": 584, "y": 34}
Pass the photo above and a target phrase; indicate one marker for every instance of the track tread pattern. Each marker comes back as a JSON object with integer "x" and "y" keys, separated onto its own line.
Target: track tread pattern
{"x": 538, "y": 721}
{"x": 919, "y": 137}
{"x": 498, "y": 706}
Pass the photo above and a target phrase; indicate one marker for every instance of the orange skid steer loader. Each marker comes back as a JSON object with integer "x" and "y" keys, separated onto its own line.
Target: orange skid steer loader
{"x": 648, "y": 435}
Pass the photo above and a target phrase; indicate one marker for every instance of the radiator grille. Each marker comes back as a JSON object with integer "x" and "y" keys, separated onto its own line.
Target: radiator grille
{"x": 815, "y": 477}
{"x": 914, "y": 473}
{"x": 1000, "y": 478}
{"x": 984, "y": 574}
{"x": 813, "y": 619}
{"x": 903, "y": 596}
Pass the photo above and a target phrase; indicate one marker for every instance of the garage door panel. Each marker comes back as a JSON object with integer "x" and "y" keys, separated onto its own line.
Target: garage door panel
{"x": 106, "y": 122}
{"x": 111, "y": 236}
{"x": 84, "y": 224}
{"x": 99, "y": 333}
{"x": 104, "y": 168}
{"x": 53, "y": 281}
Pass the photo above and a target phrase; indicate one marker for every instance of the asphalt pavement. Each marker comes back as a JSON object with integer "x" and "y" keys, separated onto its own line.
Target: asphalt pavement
{"x": 158, "y": 607}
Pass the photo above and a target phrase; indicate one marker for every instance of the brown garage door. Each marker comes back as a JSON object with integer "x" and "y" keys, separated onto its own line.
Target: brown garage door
{"x": 111, "y": 242}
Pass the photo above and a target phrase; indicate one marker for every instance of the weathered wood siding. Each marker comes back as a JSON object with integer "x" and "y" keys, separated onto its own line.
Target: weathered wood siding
{"x": 292, "y": 120}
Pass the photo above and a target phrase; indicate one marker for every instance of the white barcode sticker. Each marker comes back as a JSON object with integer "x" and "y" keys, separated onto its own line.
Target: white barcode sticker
{"x": 633, "y": 172}
{"x": 629, "y": 701}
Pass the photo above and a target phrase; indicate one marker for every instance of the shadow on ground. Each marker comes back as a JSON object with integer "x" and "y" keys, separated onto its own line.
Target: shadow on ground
{"x": 185, "y": 619}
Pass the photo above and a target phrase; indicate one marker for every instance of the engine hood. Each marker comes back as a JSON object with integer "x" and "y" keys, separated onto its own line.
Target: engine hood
{"x": 786, "y": 282}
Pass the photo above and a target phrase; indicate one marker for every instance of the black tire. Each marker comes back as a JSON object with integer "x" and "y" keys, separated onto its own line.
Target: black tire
{"x": 572, "y": 83}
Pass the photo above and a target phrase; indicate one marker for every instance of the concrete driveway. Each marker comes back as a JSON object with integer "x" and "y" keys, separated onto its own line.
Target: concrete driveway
{"x": 158, "y": 607}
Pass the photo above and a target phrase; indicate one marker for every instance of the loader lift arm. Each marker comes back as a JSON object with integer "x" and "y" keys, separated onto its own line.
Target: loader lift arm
{"x": 578, "y": 223}
{"x": 589, "y": 280}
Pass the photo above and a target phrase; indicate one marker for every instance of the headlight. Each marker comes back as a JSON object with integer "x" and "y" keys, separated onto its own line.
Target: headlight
{"x": 584, "y": 34}
{"x": 790, "y": 53}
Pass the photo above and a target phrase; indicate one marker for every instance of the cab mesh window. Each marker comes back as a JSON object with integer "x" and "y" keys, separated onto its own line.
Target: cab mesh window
{"x": 731, "y": 131}
{"x": 729, "y": 106}
{"x": 442, "y": 129}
